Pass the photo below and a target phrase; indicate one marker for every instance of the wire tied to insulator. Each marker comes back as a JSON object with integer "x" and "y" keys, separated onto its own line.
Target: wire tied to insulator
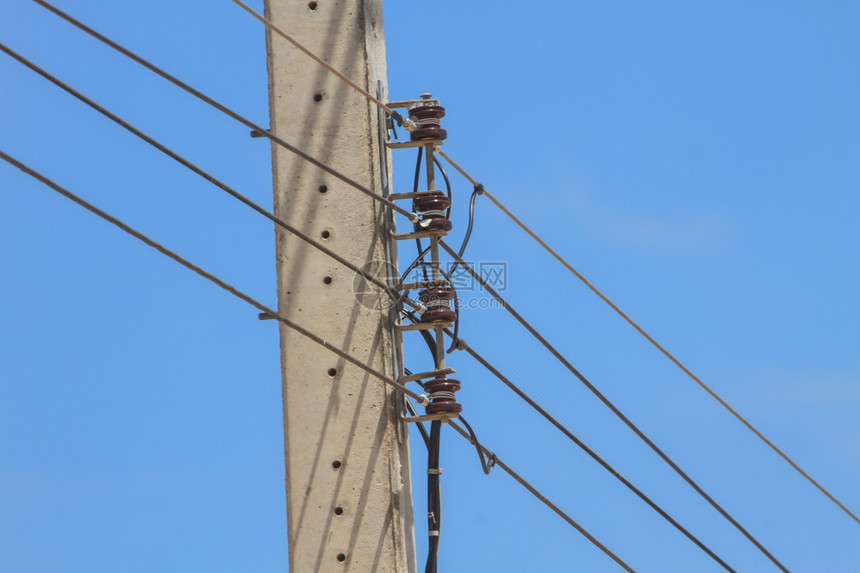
{"x": 442, "y": 391}
{"x": 426, "y": 116}
{"x": 437, "y": 300}
{"x": 432, "y": 206}
{"x": 432, "y": 213}
{"x": 403, "y": 122}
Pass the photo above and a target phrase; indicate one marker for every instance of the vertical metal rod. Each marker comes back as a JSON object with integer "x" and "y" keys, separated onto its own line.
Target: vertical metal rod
{"x": 429, "y": 166}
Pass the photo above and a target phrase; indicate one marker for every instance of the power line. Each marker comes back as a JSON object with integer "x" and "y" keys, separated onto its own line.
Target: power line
{"x": 584, "y": 447}
{"x": 507, "y": 469}
{"x": 608, "y": 403}
{"x": 651, "y": 339}
{"x": 224, "y": 109}
{"x": 210, "y": 277}
{"x": 199, "y": 171}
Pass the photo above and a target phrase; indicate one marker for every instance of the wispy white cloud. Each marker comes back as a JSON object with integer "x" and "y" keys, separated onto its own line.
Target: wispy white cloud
{"x": 814, "y": 389}
{"x": 694, "y": 232}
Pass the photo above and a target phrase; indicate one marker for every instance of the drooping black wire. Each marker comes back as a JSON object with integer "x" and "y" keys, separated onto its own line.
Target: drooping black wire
{"x": 609, "y": 404}
{"x": 485, "y": 465}
{"x": 478, "y": 190}
{"x": 448, "y": 187}
{"x": 421, "y": 251}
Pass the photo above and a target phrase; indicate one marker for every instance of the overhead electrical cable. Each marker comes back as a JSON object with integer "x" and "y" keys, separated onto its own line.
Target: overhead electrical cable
{"x": 651, "y": 339}
{"x": 609, "y": 404}
{"x": 584, "y": 447}
{"x": 534, "y": 491}
{"x": 194, "y": 168}
{"x": 567, "y": 265}
{"x": 224, "y": 109}
{"x": 208, "y": 276}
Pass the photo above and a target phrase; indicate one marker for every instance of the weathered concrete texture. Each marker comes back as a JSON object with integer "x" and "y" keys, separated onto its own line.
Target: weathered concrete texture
{"x": 348, "y": 492}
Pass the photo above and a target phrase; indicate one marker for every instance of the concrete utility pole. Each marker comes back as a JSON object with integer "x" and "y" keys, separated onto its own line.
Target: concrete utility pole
{"x": 349, "y": 498}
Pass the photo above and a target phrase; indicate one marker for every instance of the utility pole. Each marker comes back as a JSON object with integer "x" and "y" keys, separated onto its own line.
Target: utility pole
{"x": 349, "y": 498}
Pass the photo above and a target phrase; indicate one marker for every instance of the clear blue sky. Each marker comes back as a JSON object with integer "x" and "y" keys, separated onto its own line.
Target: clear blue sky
{"x": 714, "y": 197}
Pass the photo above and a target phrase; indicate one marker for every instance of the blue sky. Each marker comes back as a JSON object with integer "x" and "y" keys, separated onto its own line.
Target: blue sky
{"x": 713, "y": 197}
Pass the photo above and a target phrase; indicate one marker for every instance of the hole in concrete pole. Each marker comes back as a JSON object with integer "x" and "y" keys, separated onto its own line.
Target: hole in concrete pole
{"x": 318, "y": 97}
{"x": 323, "y": 188}
{"x": 312, "y": 5}
{"x": 338, "y": 510}
{"x": 341, "y": 557}
{"x": 327, "y": 280}
{"x": 336, "y": 464}
{"x": 332, "y": 372}
{"x": 325, "y": 234}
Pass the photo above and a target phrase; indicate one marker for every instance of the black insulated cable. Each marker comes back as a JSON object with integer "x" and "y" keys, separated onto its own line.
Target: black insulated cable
{"x": 448, "y": 187}
{"x": 488, "y": 461}
{"x": 479, "y": 189}
{"x": 434, "y": 501}
{"x": 421, "y": 251}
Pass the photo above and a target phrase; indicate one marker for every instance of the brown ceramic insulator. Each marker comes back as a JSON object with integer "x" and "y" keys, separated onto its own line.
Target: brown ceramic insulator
{"x": 426, "y": 118}
{"x": 437, "y": 299}
{"x": 431, "y": 201}
{"x": 438, "y": 315}
{"x": 446, "y": 403}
